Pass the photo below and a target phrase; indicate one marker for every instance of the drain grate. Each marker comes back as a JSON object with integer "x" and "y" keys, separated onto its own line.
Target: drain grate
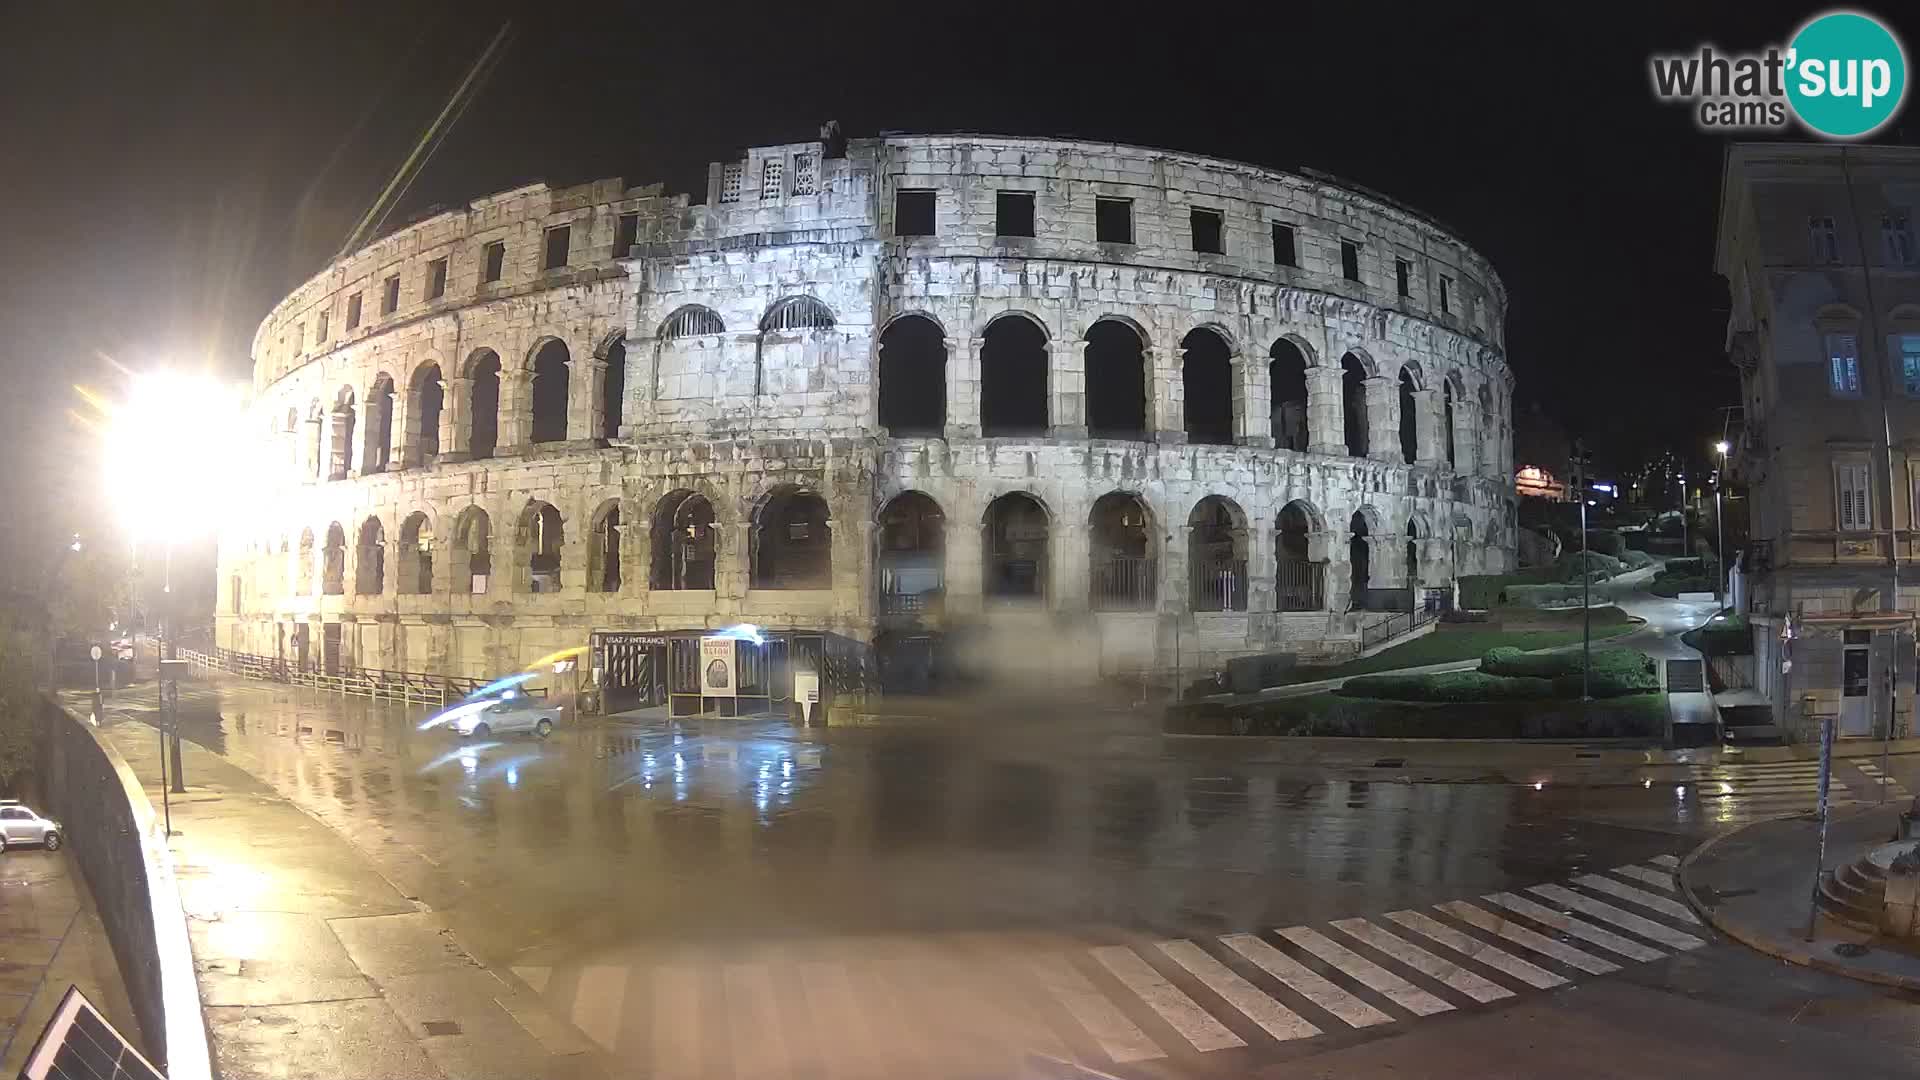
{"x": 1391, "y": 763}
{"x": 441, "y": 1027}
{"x": 1850, "y": 949}
{"x": 1686, "y": 676}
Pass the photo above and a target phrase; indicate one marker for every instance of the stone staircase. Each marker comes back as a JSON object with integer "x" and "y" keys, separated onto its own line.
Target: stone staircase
{"x": 1856, "y": 894}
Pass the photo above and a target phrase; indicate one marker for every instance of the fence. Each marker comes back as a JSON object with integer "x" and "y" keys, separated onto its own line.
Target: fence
{"x": 411, "y": 687}
{"x": 1122, "y": 583}
{"x": 1394, "y": 626}
{"x": 1301, "y": 586}
{"x": 1220, "y": 588}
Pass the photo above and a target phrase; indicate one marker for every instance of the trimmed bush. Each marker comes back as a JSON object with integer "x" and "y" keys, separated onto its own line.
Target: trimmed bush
{"x": 1638, "y": 716}
{"x": 1447, "y": 686}
{"x": 1621, "y": 670}
{"x": 1684, "y": 566}
{"x": 1636, "y": 560}
{"x": 1668, "y": 584}
{"x": 1598, "y": 567}
{"x": 1606, "y": 542}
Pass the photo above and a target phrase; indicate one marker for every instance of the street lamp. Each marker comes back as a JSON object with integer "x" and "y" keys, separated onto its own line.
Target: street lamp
{"x": 1719, "y": 526}
{"x": 172, "y": 450}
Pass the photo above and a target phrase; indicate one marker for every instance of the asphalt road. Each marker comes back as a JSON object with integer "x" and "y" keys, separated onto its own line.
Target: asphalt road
{"x": 718, "y": 898}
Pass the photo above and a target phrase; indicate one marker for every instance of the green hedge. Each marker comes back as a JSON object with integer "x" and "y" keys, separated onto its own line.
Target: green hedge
{"x": 1638, "y": 716}
{"x": 1598, "y": 567}
{"x": 1457, "y": 686}
{"x": 1669, "y": 584}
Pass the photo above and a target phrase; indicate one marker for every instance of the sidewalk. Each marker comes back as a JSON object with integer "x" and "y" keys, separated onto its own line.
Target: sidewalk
{"x": 1755, "y": 885}
{"x": 51, "y": 938}
{"x": 311, "y": 964}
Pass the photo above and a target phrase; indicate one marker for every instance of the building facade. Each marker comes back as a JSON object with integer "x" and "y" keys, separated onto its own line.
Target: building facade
{"x": 1083, "y": 408}
{"x": 1817, "y": 245}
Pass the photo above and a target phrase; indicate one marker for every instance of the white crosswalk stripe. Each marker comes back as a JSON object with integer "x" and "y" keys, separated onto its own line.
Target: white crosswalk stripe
{"x": 1625, "y": 920}
{"x": 977, "y": 1003}
{"x": 1668, "y": 861}
{"x": 1645, "y": 899}
{"x": 1472, "y": 947}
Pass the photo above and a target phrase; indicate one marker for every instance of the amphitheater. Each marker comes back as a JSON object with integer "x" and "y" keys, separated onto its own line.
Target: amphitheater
{"x": 910, "y": 409}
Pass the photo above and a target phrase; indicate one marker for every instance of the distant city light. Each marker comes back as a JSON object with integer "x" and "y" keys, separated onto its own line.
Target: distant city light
{"x": 1607, "y": 488}
{"x": 169, "y": 454}
{"x": 743, "y": 632}
{"x": 1723, "y": 446}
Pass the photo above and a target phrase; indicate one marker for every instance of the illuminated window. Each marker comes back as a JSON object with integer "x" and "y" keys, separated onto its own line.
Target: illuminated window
{"x": 1843, "y": 365}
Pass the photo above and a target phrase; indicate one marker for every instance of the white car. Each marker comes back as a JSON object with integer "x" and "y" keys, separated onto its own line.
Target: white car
{"x": 19, "y": 825}
{"x": 515, "y": 712}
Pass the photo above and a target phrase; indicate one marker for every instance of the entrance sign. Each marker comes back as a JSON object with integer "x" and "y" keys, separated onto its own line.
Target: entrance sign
{"x": 806, "y": 691}
{"x": 717, "y": 666}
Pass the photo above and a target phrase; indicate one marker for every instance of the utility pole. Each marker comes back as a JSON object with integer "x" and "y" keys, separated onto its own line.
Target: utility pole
{"x": 1586, "y": 572}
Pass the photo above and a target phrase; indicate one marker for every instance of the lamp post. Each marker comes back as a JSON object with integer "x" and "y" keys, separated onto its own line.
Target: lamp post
{"x": 1720, "y": 527}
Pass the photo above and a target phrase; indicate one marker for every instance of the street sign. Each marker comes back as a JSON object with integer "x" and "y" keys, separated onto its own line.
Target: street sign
{"x": 95, "y": 653}
{"x": 806, "y": 691}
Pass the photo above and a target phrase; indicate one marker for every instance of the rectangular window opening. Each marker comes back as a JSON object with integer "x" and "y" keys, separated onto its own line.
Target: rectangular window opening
{"x": 1910, "y": 363}
{"x": 1207, "y": 229}
{"x": 1854, "y": 495}
{"x": 1823, "y": 241}
{"x": 320, "y": 327}
{"x": 390, "y": 295}
{"x": 1350, "y": 260}
{"x": 1403, "y": 276}
{"x": 1843, "y": 365}
{"x": 626, "y": 236}
{"x": 1113, "y": 221}
{"x": 773, "y": 175}
{"x": 912, "y": 213}
{"x": 1897, "y": 230}
{"x": 1284, "y": 253}
{"x": 437, "y": 279}
{"x": 353, "y": 312}
{"x": 1013, "y": 213}
{"x": 1446, "y": 295}
{"x": 496, "y": 259}
{"x": 559, "y": 239}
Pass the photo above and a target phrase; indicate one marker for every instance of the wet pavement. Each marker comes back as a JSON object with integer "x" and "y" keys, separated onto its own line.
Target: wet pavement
{"x": 740, "y": 897}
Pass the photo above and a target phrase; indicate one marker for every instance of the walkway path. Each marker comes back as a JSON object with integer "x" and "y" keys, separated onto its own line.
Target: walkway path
{"x": 51, "y": 938}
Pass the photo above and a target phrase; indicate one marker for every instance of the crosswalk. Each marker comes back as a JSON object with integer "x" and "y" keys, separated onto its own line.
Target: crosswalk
{"x": 978, "y": 1004}
{"x": 1737, "y": 793}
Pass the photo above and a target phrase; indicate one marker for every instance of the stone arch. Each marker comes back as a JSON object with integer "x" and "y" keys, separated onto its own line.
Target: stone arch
{"x": 1014, "y": 369}
{"x": 911, "y": 560}
{"x": 1122, "y": 553}
{"x": 548, "y": 402}
{"x": 472, "y": 551}
{"x": 377, "y": 455}
{"x": 1287, "y": 363}
{"x": 785, "y": 328}
{"x": 603, "y": 548}
{"x": 1300, "y": 575}
{"x": 370, "y": 558}
{"x": 540, "y": 538}
{"x": 913, "y": 376}
{"x": 1360, "y": 534}
{"x": 1116, "y": 379}
{"x": 691, "y": 320}
{"x": 1409, "y": 415}
{"x": 482, "y": 370}
{"x": 1354, "y": 373}
{"x": 340, "y": 447}
{"x": 916, "y": 313}
{"x": 1016, "y": 541}
{"x": 333, "y": 562}
{"x": 304, "y": 569}
{"x": 796, "y": 313}
{"x": 613, "y": 385}
{"x": 415, "y": 555}
{"x": 1206, "y": 375}
{"x": 792, "y": 540}
{"x": 1040, "y": 324}
{"x": 683, "y": 537}
{"x": 1416, "y": 532}
{"x": 1217, "y": 545}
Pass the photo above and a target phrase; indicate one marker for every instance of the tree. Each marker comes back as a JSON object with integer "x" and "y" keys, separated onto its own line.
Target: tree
{"x": 20, "y": 656}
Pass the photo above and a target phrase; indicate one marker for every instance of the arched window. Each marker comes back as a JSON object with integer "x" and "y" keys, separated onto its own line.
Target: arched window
{"x": 1120, "y": 547}
{"x": 472, "y": 551}
{"x": 1116, "y": 380}
{"x": 1300, "y": 582}
{"x": 541, "y": 536}
{"x": 416, "y": 555}
{"x": 1359, "y": 554}
{"x": 1409, "y": 419}
{"x": 1217, "y": 555}
{"x": 550, "y": 393}
{"x": 913, "y": 377}
{"x": 1206, "y": 376}
{"x": 1413, "y": 560}
{"x": 682, "y": 537}
{"x": 317, "y": 439}
{"x": 342, "y": 446}
{"x": 1287, "y": 387}
{"x": 784, "y": 349}
{"x": 603, "y": 551}
{"x": 333, "y": 562}
{"x": 1015, "y": 545}
{"x": 912, "y": 562}
{"x": 1353, "y": 401}
{"x": 793, "y": 543}
{"x": 613, "y": 390}
{"x": 378, "y": 453}
{"x": 692, "y": 321}
{"x": 1013, "y": 378}
{"x": 305, "y": 566}
{"x": 370, "y": 562}
{"x": 1446, "y": 393}
{"x": 483, "y": 418}
{"x": 423, "y": 419}
{"x": 797, "y": 313}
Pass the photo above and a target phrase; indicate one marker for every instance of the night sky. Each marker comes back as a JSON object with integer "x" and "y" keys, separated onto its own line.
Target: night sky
{"x": 168, "y": 171}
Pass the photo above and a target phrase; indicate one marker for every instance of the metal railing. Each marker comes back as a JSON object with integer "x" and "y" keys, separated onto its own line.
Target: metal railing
{"x": 412, "y": 687}
{"x": 1220, "y": 588}
{"x": 1123, "y": 583}
{"x": 1394, "y": 626}
{"x": 1300, "y": 586}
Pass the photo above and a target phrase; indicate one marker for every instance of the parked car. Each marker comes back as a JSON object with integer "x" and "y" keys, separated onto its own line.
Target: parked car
{"x": 513, "y": 712}
{"x": 19, "y": 825}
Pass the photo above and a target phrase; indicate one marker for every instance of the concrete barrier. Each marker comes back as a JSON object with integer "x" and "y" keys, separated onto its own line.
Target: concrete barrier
{"x": 121, "y": 847}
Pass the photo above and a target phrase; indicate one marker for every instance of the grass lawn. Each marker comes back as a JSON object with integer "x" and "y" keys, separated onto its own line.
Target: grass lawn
{"x": 1467, "y": 642}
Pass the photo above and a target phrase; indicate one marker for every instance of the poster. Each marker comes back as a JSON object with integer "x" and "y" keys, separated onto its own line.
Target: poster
{"x": 716, "y": 666}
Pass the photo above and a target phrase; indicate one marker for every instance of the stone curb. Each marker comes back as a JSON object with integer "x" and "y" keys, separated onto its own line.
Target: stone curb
{"x": 1798, "y": 953}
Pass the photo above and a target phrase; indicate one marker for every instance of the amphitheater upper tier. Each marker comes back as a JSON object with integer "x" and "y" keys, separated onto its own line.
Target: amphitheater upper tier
{"x": 883, "y": 390}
